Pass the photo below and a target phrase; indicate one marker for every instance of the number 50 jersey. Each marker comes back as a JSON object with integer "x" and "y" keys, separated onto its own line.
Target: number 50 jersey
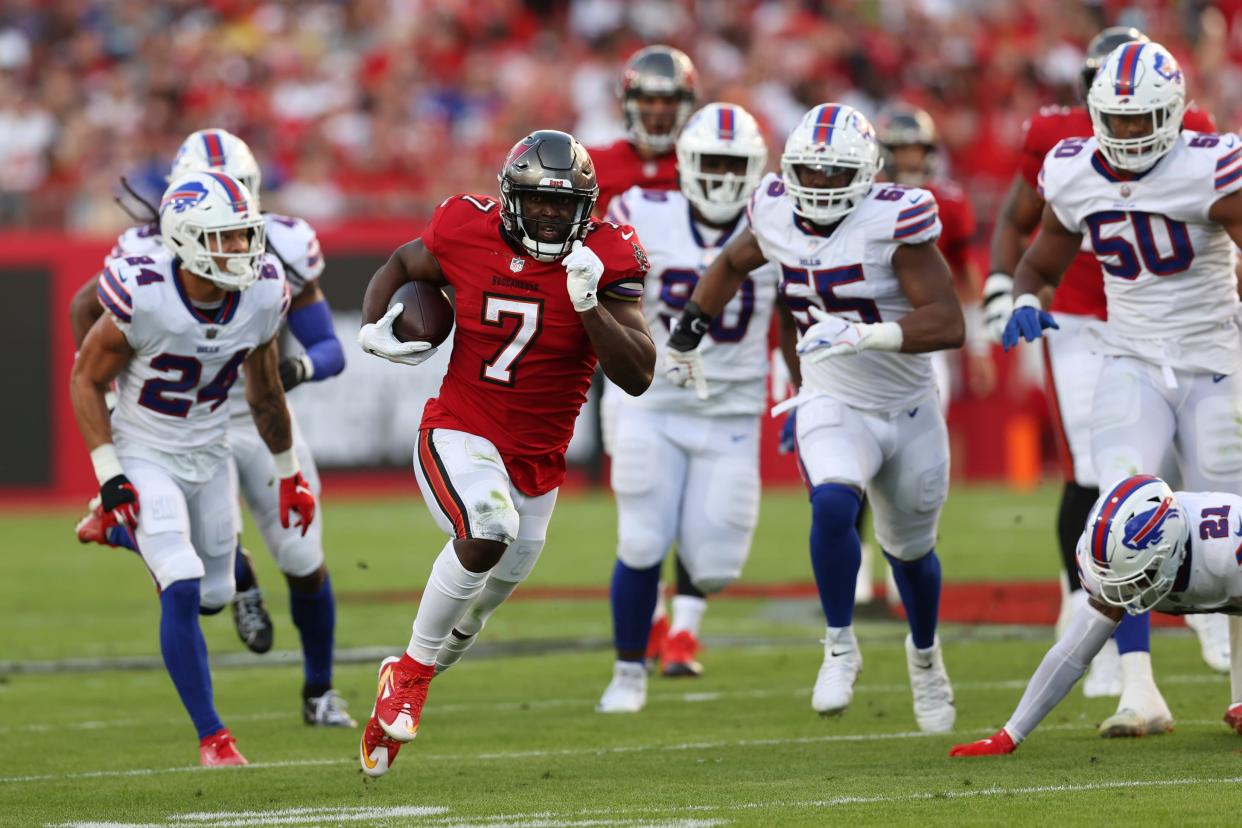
{"x": 849, "y": 273}
{"x": 1168, "y": 270}
{"x": 735, "y": 350}
{"x": 171, "y": 402}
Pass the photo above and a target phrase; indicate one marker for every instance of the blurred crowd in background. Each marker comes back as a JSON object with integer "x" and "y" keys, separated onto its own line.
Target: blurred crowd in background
{"x": 377, "y": 109}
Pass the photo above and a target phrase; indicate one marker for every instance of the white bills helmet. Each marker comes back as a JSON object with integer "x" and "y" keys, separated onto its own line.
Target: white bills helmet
{"x": 1138, "y": 79}
{"x": 1137, "y": 536}
{"x": 195, "y": 212}
{"x": 720, "y": 129}
{"x": 217, "y": 149}
{"x": 831, "y": 137}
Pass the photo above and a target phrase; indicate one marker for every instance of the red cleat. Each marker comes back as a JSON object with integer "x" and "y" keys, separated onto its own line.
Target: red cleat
{"x": 376, "y": 751}
{"x": 679, "y": 656}
{"x": 401, "y": 695}
{"x": 657, "y": 640}
{"x": 998, "y": 744}
{"x": 219, "y": 750}
{"x": 1233, "y": 717}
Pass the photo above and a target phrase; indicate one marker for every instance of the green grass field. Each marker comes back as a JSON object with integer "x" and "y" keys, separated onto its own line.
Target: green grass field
{"x": 510, "y": 736}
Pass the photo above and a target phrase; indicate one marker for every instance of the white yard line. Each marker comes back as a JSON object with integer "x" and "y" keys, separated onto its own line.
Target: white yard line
{"x": 601, "y": 750}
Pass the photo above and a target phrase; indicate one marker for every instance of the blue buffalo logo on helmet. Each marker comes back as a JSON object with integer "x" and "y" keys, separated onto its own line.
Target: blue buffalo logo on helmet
{"x": 1165, "y": 65}
{"x": 188, "y": 194}
{"x": 1146, "y": 528}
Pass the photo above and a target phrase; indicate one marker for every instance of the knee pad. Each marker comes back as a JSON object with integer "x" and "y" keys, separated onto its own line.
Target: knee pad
{"x": 496, "y": 521}
{"x": 518, "y": 561}
{"x": 711, "y": 584}
{"x": 639, "y": 549}
{"x": 834, "y": 507}
{"x": 171, "y": 558}
{"x": 215, "y": 594}
{"x": 299, "y": 556}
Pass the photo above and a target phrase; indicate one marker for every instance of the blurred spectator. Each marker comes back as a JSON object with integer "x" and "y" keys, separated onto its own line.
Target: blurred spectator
{"x": 378, "y": 108}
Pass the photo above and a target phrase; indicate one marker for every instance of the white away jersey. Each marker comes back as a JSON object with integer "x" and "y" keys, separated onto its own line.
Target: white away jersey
{"x": 1168, "y": 271}
{"x": 849, "y": 273}
{"x": 292, "y": 241}
{"x": 172, "y": 394}
{"x": 735, "y": 350}
{"x": 1210, "y": 579}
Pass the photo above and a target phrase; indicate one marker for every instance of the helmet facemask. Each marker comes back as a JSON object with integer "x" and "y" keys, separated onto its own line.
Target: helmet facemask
{"x": 197, "y": 212}
{"x": 721, "y": 194}
{"x": 1136, "y": 103}
{"x": 656, "y": 142}
{"x": 528, "y": 223}
{"x": 231, "y": 271}
{"x": 1137, "y": 543}
{"x": 826, "y": 205}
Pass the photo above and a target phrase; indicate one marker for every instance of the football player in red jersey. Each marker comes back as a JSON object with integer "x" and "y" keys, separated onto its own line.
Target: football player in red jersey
{"x": 658, "y": 90}
{"x": 542, "y": 291}
{"x": 1071, "y": 367}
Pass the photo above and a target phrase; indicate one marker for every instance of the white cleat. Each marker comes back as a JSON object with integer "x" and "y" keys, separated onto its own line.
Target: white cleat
{"x": 627, "y": 692}
{"x": 933, "y": 694}
{"x": 1213, "y": 632}
{"x": 1104, "y": 674}
{"x": 834, "y": 686}
{"x": 1146, "y": 716}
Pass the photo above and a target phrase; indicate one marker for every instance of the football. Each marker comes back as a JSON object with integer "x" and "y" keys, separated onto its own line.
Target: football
{"x": 427, "y": 315}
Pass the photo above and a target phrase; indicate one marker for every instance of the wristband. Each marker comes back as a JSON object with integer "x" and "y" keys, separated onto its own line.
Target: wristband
{"x": 690, "y": 329}
{"x": 107, "y": 464}
{"x": 286, "y": 463}
{"x": 1028, "y": 300}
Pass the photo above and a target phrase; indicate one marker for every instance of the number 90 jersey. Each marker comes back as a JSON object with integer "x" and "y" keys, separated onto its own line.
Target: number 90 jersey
{"x": 735, "y": 350}
{"x": 171, "y": 402}
{"x": 849, "y": 273}
{"x": 1211, "y": 579}
{"x": 1168, "y": 270}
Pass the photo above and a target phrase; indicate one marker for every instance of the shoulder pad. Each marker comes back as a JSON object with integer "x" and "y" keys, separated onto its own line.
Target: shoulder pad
{"x": 296, "y": 244}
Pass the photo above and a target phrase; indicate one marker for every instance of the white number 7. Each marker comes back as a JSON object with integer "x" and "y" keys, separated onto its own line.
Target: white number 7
{"x": 499, "y": 369}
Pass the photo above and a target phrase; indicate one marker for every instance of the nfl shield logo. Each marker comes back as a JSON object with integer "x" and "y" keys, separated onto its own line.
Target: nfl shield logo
{"x": 211, "y": 332}
{"x": 517, "y": 264}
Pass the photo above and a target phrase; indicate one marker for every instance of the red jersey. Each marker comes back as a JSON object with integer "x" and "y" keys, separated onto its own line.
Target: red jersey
{"x": 521, "y": 362}
{"x": 618, "y": 167}
{"x": 957, "y": 218}
{"x": 1081, "y": 290}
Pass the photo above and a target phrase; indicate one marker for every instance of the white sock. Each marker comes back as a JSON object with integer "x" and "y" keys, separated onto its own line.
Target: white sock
{"x": 687, "y": 614}
{"x": 450, "y": 590}
{"x": 1137, "y": 682}
{"x": 841, "y": 638}
{"x": 471, "y": 624}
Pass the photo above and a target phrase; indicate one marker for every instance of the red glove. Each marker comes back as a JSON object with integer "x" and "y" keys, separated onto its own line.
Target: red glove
{"x": 119, "y": 501}
{"x": 997, "y": 744}
{"x": 1233, "y": 717}
{"x": 296, "y": 496}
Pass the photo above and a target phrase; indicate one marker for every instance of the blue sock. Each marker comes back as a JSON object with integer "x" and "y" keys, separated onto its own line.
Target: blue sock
{"x": 836, "y": 551}
{"x": 1133, "y": 634}
{"x": 314, "y": 614}
{"x": 918, "y": 582}
{"x": 185, "y": 654}
{"x": 243, "y": 574}
{"x": 633, "y": 595}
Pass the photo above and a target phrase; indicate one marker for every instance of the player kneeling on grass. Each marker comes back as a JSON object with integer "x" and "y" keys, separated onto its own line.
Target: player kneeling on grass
{"x": 542, "y": 292}
{"x": 1145, "y": 548}
{"x": 179, "y": 326}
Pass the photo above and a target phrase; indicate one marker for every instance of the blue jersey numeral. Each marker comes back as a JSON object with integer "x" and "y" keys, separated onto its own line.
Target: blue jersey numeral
{"x": 1119, "y": 258}
{"x": 676, "y": 285}
{"x": 155, "y": 391}
{"x": 826, "y": 283}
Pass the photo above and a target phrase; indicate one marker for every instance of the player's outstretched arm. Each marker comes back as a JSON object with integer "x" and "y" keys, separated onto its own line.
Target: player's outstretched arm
{"x": 411, "y": 262}
{"x": 84, "y": 310}
{"x": 622, "y": 342}
{"x": 724, "y": 276}
{"x": 271, "y": 419}
{"x": 310, "y": 321}
{"x": 1085, "y": 635}
{"x": 936, "y": 322}
{"x": 1019, "y": 216}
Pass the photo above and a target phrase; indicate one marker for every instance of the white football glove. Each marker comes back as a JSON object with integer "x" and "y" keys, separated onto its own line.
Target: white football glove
{"x": 685, "y": 368}
{"x": 583, "y": 270}
{"x": 832, "y": 336}
{"x": 377, "y": 338}
{"x": 997, "y": 304}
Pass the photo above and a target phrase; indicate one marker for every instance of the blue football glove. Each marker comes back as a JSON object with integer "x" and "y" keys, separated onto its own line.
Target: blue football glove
{"x": 1028, "y": 321}
{"x": 789, "y": 434}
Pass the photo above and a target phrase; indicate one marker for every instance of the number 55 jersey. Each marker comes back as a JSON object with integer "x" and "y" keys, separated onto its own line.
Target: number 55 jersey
{"x": 171, "y": 402}
{"x": 1168, "y": 269}
{"x": 849, "y": 273}
{"x": 521, "y": 362}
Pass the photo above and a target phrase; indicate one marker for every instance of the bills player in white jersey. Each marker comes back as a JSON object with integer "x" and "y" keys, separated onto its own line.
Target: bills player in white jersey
{"x": 1145, "y": 548}
{"x": 180, "y": 326}
{"x": 873, "y": 296}
{"x": 1161, "y": 207}
{"x": 299, "y": 555}
{"x": 705, "y": 498}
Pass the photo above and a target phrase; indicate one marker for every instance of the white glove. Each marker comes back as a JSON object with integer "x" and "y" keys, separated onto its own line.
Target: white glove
{"x": 377, "y": 338}
{"x": 997, "y": 304}
{"x": 685, "y": 368}
{"x": 583, "y": 270}
{"x": 832, "y": 336}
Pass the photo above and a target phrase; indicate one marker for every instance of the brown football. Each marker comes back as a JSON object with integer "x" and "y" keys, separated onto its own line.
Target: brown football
{"x": 427, "y": 315}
